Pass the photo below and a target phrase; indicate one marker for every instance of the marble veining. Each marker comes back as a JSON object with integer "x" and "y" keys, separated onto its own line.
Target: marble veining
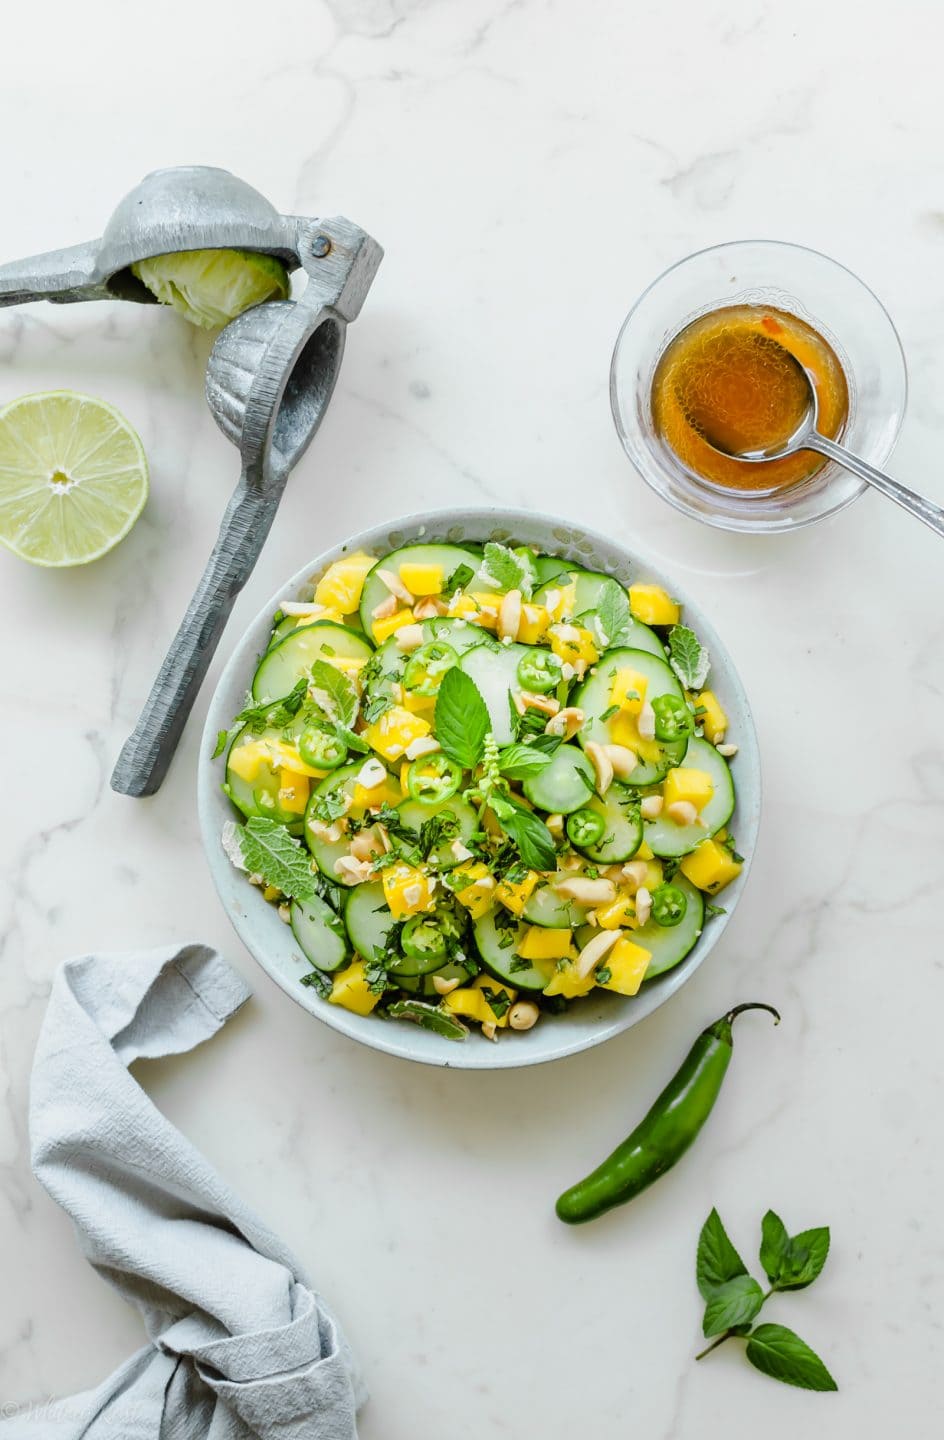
{"x": 529, "y": 167}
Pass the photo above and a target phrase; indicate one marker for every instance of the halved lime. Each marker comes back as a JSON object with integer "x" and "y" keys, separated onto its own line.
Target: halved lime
{"x": 73, "y": 477}
{"x": 212, "y": 287}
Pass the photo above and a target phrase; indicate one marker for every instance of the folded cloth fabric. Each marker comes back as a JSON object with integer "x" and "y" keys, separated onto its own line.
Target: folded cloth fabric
{"x": 241, "y": 1345}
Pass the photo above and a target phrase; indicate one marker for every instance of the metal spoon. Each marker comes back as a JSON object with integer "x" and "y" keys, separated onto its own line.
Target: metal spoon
{"x": 807, "y": 437}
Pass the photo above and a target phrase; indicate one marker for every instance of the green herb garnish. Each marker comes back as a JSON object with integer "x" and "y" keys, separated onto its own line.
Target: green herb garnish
{"x": 461, "y": 719}
{"x": 269, "y": 850}
{"x": 688, "y": 657}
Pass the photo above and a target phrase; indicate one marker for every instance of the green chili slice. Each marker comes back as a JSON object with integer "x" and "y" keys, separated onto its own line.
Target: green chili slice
{"x": 540, "y": 671}
{"x": 674, "y": 720}
{"x": 321, "y": 749}
{"x": 433, "y": 778}
{"x": 422, "y": 939}
{"x": 427, "y": 666}
{"x": 668, "y": 905}
{"x": 585, "y": 827}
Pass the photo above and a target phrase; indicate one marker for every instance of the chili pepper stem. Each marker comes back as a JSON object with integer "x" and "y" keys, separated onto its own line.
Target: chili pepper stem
{"x": 751, "y": 1005}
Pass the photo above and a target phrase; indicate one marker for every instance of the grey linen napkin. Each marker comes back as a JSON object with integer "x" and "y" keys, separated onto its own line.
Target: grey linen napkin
{"x": 240, "y": 1343}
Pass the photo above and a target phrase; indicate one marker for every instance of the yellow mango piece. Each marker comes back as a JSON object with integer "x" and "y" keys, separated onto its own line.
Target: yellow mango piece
{"x": 533, "y": 625}
{"x": 654, "y": 873}
{"x": 573, "y": 644}
{"x": 629, "y": 690}
{"x": 540, "y": 943}
{"x": 341, "y": 584}
{"x": 422, "y": 579}
{"x": 653, "y": 605}
{"x": 479, "y": 608}
{"x": 627, "y": 963}
{"x": 293, "y": 792}
{"x": 247, "y": 760}
{"x": 419, "y": 704}
{"x": 616, "y": 914}
{"x": 514, "y": 895}
{"x": 475, "y": 887}
{"x": 565, "y": 981}
{"x": 469, "y": 1004}
{"x": 710, "y": 866}
{"x": 351, "y": 990}
{"x": 394, "y": 730}
{"x": 712, "y": 717}
{"x": 687, "y": 783}
{"x": 560, "y": 600}
{"x": 624, "y": 731}
{"x": 644, "y": 852}
{"x": 350, "y": 665}
{"x": 383, "y": 629}
{"x": 483, "y": 984}
{"x": 389, "y": 793}
{"x": 406, "y": 890}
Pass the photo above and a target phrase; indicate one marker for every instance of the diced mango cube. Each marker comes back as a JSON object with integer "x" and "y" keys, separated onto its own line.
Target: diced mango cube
{"x": 422, "y": 579}
{"x": 485, "y": 983}
{"x": 419, "y": 704}
{"x": 351, "y": 990}
{"x": 394, "y": 730}
{"x": 541, "y": 943}
{"x": 627, "y": 963}
{"x": 247, "y": 760}
{"x": 470, "y": 1004}
{"x": 710, "y": 866}
{"x": 388, "y": 792}
{"x": 514, "y": 894}
{"x": 341, "y": 584}
{"x": 565, "y": 981}
{"x": 654, "y": 871}
{"x": 407, "y": 890}
{"x": 629, "y": 690}
{"x": 644, "y": 852}
{"x": 653, "y": 605}
{"x": 532, "y": 627}
{"x": 625, "y": 731}
{"x": 474, "y": 887}
{"x": 712, "y": 717}
{"x": 293, "y": 792}
{"x": 573, "y": 644}
{"x": 383, "y": 629}
{"x": 687, "y": 783}
{"x": 616, "y": 914}
{"x": 561, "y": 600}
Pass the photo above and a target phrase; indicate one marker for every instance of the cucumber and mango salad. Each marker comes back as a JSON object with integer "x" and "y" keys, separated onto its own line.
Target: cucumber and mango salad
{"x": 481, "y": 783}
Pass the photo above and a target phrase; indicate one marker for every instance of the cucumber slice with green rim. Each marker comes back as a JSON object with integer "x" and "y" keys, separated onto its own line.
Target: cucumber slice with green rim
{"x": 368, "y": 919}
{"x": 500, "y": 959}
{"x": 450, "y": 557}
{"x": 622, "y": 836}
{"x": 423, "y": 984}
{"x": 563, "y": 786}
{"x": 593, "y": 698}
{"x": 667, "y": 945}
{"x": 389, "y": 662}
{"x": 415, "y": 815}
{"x": 545, "y": 907}
{"x": 290, "y": 623}
{"x": 665, "y": 836}
{"x": 326, "y": 853}
{"x": 259, "y": 797}
{"x": 320, "y": 933}
{"x": 286, "y": 662}
{"x": 589, "y": 586}
{"x": 495, "y": 672}
{"x": 547, "y": 566}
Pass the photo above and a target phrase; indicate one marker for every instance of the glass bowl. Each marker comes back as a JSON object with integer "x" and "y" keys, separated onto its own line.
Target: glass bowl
{"x": 818, "y": 290}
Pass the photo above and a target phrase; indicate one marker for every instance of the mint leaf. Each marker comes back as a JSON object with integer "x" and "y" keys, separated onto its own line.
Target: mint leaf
{"x": 460, "y": 720}
{"x": 688, "y": 658}
{"x": 717, "y": 1261}
{"x": 774, "y": 1245}
{"x": 518, "y": 762}
{"x": 270, "y": 851}
{"x": 613, "y": 618}
{"x": 531, "y": 837}
{"x": 505, "y": 570}
{"x": 334, "y": 692}
{"x": 736, "y": 1302}
{"x": 458, "y": 580}
{"x": 778, "y": 1352}
{"x": 805, "y": 1259}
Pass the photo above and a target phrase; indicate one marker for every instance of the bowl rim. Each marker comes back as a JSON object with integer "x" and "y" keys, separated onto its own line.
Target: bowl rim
{"x": 786, "y": 525}
{"x": 402, "y": 1041}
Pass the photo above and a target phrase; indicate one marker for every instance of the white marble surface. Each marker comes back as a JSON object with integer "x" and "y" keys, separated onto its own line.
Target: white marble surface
{"x": 529, "y": 166}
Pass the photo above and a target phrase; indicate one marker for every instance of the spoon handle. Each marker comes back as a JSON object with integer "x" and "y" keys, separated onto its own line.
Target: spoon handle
{"x": 917, "y": 505}
{"x": 149, "y": 748}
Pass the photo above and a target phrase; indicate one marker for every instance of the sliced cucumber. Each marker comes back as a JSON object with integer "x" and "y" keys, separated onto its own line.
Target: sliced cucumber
{"x": 450, "y": 557}
{"x": 368, "y": 919}
{"x": 286, "y": 662}
{"x": 326, "y": 853}
{"x": 390, "y": 662}
{"x": 667, "y": 945}
{"x": 623, "y": 834}
{"x": 545, "y": 907}
{"x": 563, "y": 786}
{"x": 320, "y": 933}
{"x": 259, "y": 797}
{"x": 547, "y": 566}
{"x": 497, "y": 949}
{"x": 495, "y": 672}
{"x": 423, "y": 984}
{"x": 665, "y": 836}
{"x": 589, "y": 586}
{"x": 593, "y": 698}
{"x": 415, "y": 814}
{"x": 290, "y": 623}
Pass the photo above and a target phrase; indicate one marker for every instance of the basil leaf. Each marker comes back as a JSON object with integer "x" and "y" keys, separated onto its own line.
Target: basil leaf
{"x": 778, "y": 1352}
{"x": 430, "y": 1017}
{"x": 334, "y": 691}
{"x": 717, "y": 1261}
{"x": 805, "y": 1259}
{"x": 519, "y": 762}
{"x": 319, "y": 981}
{"x": 688, "y": 658}
{"x": 533, "y": 840}
{"x": 460, "y": 720}
{"x": 736, "y": 1302}
{"x": 774, "y": 1245}
{"x": 613, "y": 617}
{"x": 270, "y": 851}
{"x": 505, "y": 570}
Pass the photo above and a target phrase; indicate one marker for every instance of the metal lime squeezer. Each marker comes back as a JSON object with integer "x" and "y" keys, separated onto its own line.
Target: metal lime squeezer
{"x": 269, "y": 379}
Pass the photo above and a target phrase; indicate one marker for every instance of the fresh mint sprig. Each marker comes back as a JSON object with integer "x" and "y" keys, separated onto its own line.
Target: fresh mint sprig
{"x": 505, "y": 570}
{"x": 688, "y": 657}
{"x": 733, "y": 1298}
{"x": 461, "y": 719}
{"x": 613, "y": 618}
{"x": 267, "y": 849}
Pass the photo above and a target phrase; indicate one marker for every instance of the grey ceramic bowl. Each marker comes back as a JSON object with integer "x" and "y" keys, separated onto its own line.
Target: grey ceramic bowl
{"x": 589, "y": 1022}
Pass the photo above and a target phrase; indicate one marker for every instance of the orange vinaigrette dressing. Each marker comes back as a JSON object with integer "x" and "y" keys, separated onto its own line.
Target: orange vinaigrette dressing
{"x": 725, "y": 375}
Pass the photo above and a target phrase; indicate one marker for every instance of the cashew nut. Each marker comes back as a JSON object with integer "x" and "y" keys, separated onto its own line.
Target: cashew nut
{"x": 602, "y": 766}
{"x": 594, "y": 951}
{"x": 523, "y": 1015}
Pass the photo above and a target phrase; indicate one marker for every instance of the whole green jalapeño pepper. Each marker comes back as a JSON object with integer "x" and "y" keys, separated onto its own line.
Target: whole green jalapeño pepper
{"x": 663, "y": 1136}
